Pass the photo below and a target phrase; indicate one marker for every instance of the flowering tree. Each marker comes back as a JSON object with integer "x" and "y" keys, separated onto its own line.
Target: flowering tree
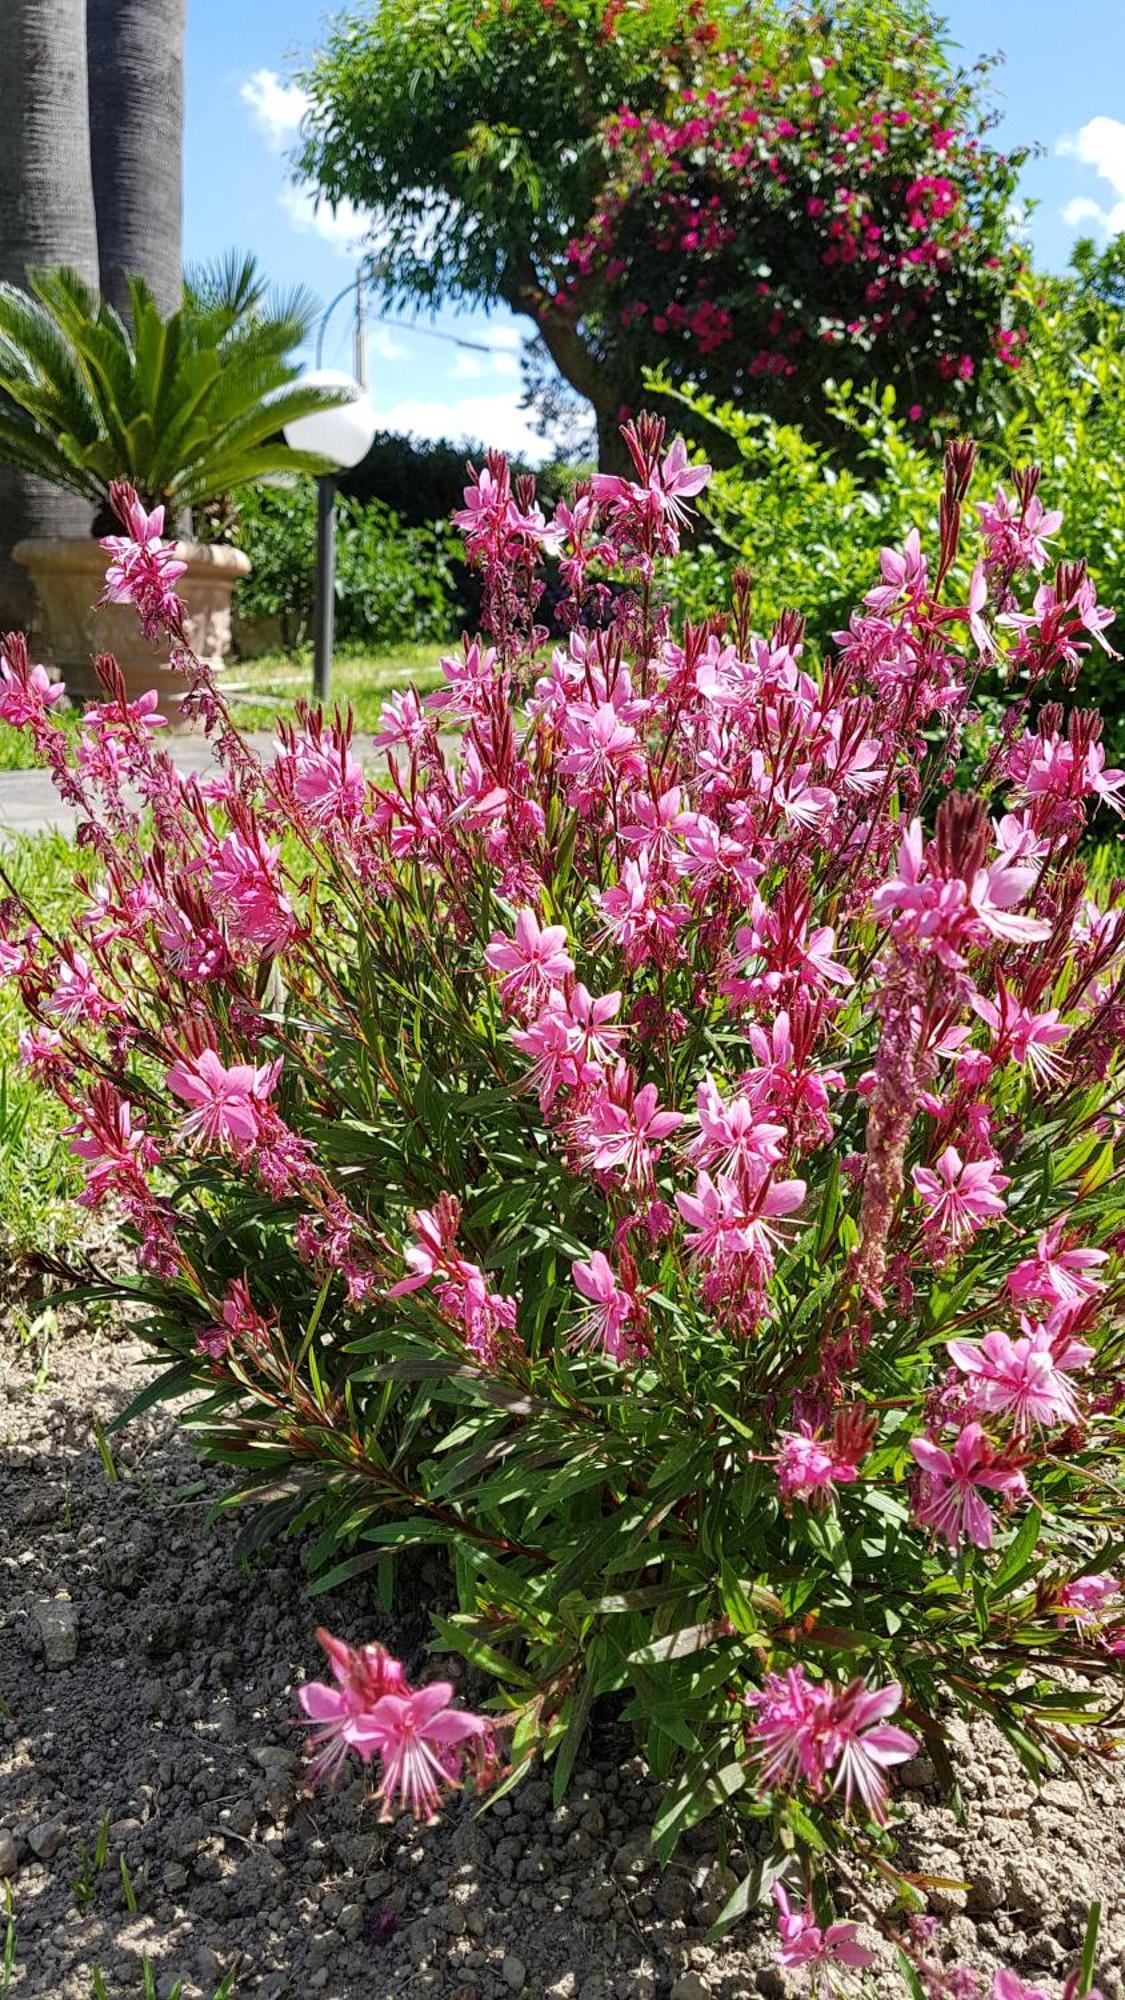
{"x": 756, "y": 197}
{"x": 818, "y": 207}
{"x": 656, "y": 1141}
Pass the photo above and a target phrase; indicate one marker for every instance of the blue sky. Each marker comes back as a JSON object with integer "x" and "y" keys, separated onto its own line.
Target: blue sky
{"x": 1061, "y": 88}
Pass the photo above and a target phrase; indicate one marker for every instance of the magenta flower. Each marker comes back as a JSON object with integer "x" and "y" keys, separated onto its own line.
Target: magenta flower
{"x": 1057, "y": 1276}
{"x": 418, "y": 1738}
{"x": 960, "y": 1195}
{"x": 610, "y": 1321}
{"x": 533, "y": 961}
{"x": 864, "y": 1746}
{"x": 624, "y": 1131}
{"x": 143, "y": 567}
{"x": 26, "y": 692}
{"x": 1008, "y": 1986}
{"x": 245, "y": 880}
{"x": 1025, "y": 1379}
{"x": 950, "y": 1498}
{"x": 810, "y": 1468}
{"x": 792, "y": 1727}
{"x": 363, "y": 1675}
{"x": 802, "y": 1943}
{"x": 227, "y": 1103}
{"x": 1021, "y": 1034}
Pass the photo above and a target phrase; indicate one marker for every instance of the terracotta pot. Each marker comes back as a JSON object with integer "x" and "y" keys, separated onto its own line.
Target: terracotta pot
{"x": 69, "y": 577}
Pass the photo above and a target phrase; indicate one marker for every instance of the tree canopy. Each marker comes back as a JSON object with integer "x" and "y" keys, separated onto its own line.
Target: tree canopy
{"x": 751, "y": 195}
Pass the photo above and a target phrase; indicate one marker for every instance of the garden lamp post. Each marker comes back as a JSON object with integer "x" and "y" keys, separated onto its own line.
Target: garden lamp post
{"x": 342, "y": 435}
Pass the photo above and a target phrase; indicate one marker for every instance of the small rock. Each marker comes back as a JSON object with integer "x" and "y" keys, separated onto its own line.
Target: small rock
{"x": 515, "y": 1972}
{"x": 691, "y": 1986}
{"x": 9, "y": 1852}
{"x": 57, "y": 1622}
{"x": 673, "y": 1895}
{"x": 273, "y": 1757}
{"x": 45, "y": 1839}
{"x": 1063, "y": 1794}
{"x": 175, "y": 1877}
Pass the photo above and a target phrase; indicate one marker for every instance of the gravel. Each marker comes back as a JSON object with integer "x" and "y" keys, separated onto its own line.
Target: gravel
{"x": 147, "y": 1681}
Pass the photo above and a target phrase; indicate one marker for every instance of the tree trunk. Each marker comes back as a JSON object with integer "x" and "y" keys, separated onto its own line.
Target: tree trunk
{"x": 46, "y": 217}
{"x": 522, "y": 291}
{"x": 135, "y": 50}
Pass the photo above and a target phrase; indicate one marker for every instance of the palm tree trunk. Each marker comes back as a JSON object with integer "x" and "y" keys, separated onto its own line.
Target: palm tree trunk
{"x": 46, "y": 217}
{"x": 135, "y": 50}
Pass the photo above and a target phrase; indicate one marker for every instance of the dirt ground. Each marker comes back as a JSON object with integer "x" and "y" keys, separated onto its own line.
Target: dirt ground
{"x": 173, "y": 1730}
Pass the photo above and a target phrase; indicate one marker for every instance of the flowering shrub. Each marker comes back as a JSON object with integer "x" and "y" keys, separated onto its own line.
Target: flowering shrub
{"x": 799, "y": 212}
{"x": 810, "y": 529}
{"x": 657, "y": 1142}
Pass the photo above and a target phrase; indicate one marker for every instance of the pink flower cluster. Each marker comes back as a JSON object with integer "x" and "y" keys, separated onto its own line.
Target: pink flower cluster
{"x": 811, "y": 1731}
{"x": 424, "y": 1746}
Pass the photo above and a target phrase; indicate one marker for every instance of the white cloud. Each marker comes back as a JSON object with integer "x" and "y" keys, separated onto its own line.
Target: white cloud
{"x": 345, "y": 226}
{"x": 505, "y": 336}
{"x": 490, "y": 419}
{"x": 277, "y": 108}
{"x": 1100, "y": 144}
{"x": 383, "y": 343}
{"x": 469, "y": 366}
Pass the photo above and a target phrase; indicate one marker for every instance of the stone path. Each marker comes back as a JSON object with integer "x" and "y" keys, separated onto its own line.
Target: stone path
{"x": 29, "y": 802}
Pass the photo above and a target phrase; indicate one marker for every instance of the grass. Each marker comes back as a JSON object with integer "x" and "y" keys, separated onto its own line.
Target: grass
{"x": 38, "y": 1174}
{"x": 259, "y": 690}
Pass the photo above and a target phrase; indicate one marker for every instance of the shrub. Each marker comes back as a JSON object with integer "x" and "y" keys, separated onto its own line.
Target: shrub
{"x": 809, "y": 529}
{"x": 819, "y": 202}
{"x": 661, "y": 1150}
{"x": 395, "y": 585}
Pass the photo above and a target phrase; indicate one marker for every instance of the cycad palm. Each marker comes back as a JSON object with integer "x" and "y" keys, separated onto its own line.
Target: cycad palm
{"x": 184, "y": 407}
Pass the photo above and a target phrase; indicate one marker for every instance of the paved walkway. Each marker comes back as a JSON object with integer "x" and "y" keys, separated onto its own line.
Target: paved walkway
{"x": 29, "y": 802}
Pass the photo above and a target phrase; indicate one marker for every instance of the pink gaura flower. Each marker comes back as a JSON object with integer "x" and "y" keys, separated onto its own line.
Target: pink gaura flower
{"x": 77, "y": 997}
{"x": 238, "y": 1319}
{"x": 1026, "y": 1379}
{"x": 1057, "y": 1275}
{"x": 803, "y": 1944}
{"x": 419, "y": 1738}
{"x": 904, "y": 576}
{"x": 1085, "y": 1597}
{"x": 143, "y": 567}
{"x": 363, "y": 1676}
{"x": 227, "y": 1103}
{"x": 960, "y": 1195}
{"x": 532, "y": 962}
{"x": 1008, "y": 1986}
{"x": 244, "y": 875}
{"x": 809, "y": 1468}
{"x": 865, "y": 1746}
{"x": 950, "y": 1496}
{"x": 1021, "y": 1034}
{"x": 810, "y": 1731}
{"x": 610, "y": 1321}
{"x": 27, "y": 693}
{"x": 623, "y": 1130}
{"x": 732, "y": 1137}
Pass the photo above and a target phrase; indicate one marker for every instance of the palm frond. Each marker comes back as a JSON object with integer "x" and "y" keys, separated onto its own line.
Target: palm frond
{"x": 184, "y": 406}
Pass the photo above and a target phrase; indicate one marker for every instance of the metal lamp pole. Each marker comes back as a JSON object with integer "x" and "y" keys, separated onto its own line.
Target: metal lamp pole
{"x": 324, "y": 589}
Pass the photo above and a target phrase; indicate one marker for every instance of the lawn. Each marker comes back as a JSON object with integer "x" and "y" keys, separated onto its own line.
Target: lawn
{"x": 38, "y": 1173}
{"x": 259, "y": 689}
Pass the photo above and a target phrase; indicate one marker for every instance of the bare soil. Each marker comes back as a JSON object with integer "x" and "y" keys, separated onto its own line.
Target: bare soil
{"x": 174, "y": 1728}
